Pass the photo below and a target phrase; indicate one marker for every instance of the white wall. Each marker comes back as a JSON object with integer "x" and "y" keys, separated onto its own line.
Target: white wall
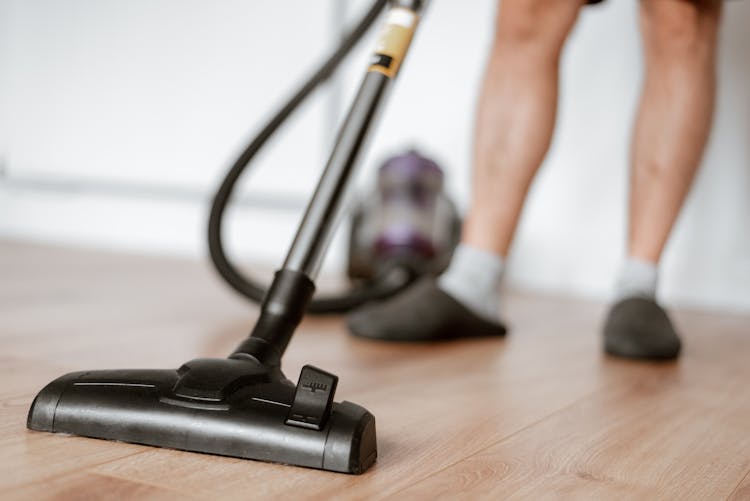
{"x": 118, "y": 118}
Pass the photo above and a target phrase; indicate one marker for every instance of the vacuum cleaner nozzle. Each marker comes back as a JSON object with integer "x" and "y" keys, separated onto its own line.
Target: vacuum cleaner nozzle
{"x": 232, "y": 407}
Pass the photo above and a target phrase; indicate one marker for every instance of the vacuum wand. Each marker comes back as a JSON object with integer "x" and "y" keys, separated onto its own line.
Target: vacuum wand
{"x": 322, "y": 214}
{"x": 318, "y": 223}
{"x": 293, "y": 287}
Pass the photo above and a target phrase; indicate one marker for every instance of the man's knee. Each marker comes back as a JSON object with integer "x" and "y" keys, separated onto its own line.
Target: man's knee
{"x": 539, "y": 24}
{"x": 680, "y": 27}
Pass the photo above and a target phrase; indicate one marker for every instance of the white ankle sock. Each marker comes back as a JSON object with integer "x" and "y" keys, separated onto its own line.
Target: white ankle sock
{"x": 637, "y": 278}
{"x": 473, "y": 279}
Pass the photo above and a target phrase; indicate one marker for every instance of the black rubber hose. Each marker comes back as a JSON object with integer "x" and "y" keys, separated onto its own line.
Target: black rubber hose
{"x": 387, "y": 285}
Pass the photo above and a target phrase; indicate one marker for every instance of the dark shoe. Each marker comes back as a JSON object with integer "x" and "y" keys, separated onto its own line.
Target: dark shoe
{"x": 639, "y": 328}
{"x": 422, "y": 312}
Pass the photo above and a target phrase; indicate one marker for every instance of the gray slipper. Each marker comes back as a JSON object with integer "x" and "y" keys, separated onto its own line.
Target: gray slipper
{"x": 639, "y": 328}
{"x": 422, "y": 312}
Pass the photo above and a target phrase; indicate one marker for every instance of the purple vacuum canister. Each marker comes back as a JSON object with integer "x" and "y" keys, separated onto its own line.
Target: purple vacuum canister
{"x": 406, "y": 221}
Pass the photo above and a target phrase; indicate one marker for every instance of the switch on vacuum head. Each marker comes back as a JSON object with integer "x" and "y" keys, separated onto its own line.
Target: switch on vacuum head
{"x": 313, "y": 398}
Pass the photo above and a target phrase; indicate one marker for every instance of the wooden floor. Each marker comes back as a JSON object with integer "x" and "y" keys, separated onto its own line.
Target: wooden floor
{"x": 539, "y": 415}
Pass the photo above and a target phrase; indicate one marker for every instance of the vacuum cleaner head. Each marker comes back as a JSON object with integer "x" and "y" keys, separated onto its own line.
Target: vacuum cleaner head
{"x": 231, "y": 407}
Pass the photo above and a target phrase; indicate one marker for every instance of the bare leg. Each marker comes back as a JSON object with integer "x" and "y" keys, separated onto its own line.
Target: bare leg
{"x": 516, "y": 115}
{"x": 515, "y": 119}
{"x": 674, "y": 116}
{"x": 670, "y": 134}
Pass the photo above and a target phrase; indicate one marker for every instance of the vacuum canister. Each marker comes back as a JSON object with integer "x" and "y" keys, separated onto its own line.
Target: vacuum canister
{"x": 407, "y": 221}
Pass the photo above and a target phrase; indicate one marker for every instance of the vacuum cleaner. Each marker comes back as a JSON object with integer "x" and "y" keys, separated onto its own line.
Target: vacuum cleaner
{"x": 243, "y": 406}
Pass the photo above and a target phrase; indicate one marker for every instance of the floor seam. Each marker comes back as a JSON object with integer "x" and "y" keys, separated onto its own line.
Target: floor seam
{"x": 744, "y": 477}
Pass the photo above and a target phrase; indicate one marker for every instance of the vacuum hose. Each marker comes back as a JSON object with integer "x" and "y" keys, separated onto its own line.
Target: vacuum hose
{"x": 389, "y": 283}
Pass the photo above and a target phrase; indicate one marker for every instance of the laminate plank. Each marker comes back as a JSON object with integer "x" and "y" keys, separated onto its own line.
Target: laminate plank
{"x": 677, "y": 438}
{"x": 91, "y": 486}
